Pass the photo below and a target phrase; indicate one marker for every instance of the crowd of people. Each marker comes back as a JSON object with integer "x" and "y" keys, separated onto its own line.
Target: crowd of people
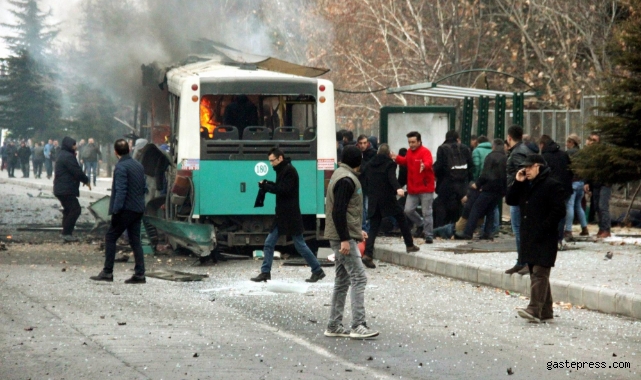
{"x": 460, "y": 193}
{"x": 32, "y": 156}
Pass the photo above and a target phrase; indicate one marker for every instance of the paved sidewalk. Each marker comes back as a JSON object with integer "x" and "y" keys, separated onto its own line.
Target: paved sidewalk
{"x": 103, "y": 184}
{"x": 583, "y": 276}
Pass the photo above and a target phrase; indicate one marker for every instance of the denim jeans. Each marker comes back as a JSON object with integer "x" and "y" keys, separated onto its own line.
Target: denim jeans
{"x": 49, "y": 167}
{"x": 299, "y": 244}
{"x": 604, "y": 208}
{"x": 366, "y": 222}
{"x": 573, "y": 207}
{"x": 91, "y": 168}
{"x": 427, "y": 221}
{"x": 515, "y": 218}
{"x": 349, "y": 271}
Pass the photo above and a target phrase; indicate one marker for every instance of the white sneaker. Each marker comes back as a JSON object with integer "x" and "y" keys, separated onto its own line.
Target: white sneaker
{"x": 362, "y": 332}
{"x": 338, "y": 331}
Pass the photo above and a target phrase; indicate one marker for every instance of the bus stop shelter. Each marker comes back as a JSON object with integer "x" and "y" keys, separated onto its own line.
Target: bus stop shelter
{"x": 468, "y": 95}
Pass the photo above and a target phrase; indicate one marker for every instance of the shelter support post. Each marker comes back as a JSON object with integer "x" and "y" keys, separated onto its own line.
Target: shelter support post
{"x": 517, "y": 108}
{"x": 468, "y": 115}
{"x": 499, "y": 117}
{"x": 484, "y": 112}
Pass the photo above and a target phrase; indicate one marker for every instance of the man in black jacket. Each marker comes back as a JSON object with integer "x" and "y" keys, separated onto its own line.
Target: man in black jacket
{"x": 289, "y": 220}
{"x": 379, "y": 177}
{"x": 516, "y": 155}
{"x": 67, "y": 177}
{"x": 541, "y": 201}
{"x": 559, "y": 164}
{"x": 12, "y": 158}
{"x": 24, "y": 152}
{"x": 363, "y": 144}
{"x": 453, "y": 169}
{"x": 492, "y": 184}
{"x": 126, "y": 207}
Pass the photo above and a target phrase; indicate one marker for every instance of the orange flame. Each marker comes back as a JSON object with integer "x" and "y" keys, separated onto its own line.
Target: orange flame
{"x": 207, "y": 118}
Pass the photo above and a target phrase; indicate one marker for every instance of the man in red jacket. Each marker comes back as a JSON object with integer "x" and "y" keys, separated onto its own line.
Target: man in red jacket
{"x": 420, "y": 184}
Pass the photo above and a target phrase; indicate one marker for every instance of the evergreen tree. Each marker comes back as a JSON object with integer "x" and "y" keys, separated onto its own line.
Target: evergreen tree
{"x": 617, "y": 159}
{"x": 29, "y": 95}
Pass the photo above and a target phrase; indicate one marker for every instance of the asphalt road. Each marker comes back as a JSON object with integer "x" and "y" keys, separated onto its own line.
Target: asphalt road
{"x": 57, "y": 324}
{"x": 60, "y": 325}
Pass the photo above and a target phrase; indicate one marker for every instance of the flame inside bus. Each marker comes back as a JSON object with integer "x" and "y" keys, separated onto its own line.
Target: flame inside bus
{"x": 207, "y": 118}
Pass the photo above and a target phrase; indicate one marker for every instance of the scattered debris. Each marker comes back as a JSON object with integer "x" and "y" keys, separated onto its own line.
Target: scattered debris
{"x": 102, "y": 317}
{"x": 196, "y": 355}
{"x": 174, "y": 275}
{"x": 121, "y": 259}
{"x": 509, "y": 371}
{"x": 370, "y": 358}
{"x": 614, "y": 355}
{"x": 609, "y": 255}
{"x": 122, "y": 323}
{"x": 64, "y": 269}
{"x": 312, "y": 321}
{"x": 29, "y": 328}
{"x": 3, "y": 247}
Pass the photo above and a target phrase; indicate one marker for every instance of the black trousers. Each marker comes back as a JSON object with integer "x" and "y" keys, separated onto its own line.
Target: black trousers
{"x": 37, "y": 168}
{"x": 375, "y": 225}
{"x": 11, "y": 168}
{"x": 123, "y": 221}
{"x": 24, "y": 165}
{"x": 70, "y": 212}
{"x": 483, "y": 206}
{"x": 447, "y": 206}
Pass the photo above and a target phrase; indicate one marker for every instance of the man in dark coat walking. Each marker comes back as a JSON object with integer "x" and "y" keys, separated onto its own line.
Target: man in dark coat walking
{"x": 289, "y": 220}
{"x": 363, "y": 144}
{"x": 379, "y": 176}
{"x": 559, "y": 164}
{"x": 126, "y": 207}
{"x": 542, "y": 206}
{"x": 24, "y": 152}
{"x": 491, "y": 185}
{"x": 452, "y": 178}
{"x": 66, "y": 180}
{"x": 12, "y": 158}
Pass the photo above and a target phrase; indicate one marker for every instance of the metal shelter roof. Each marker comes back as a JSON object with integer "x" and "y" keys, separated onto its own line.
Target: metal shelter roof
{"x": 454, "y": 92}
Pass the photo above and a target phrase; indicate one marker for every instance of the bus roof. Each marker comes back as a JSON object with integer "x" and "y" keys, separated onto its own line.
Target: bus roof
{"x": 217, "y": 68}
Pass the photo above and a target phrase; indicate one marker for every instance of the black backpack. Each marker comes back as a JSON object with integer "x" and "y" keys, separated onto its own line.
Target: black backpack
{"x": 456, "y": 162}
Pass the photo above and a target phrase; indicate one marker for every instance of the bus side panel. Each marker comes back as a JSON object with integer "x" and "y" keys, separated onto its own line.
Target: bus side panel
{"x": 221, "y": 185}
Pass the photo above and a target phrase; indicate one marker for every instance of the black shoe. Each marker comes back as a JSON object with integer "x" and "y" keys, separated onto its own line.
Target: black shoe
{"x": 136, "y": 280}
{"x": 316, "y": 276}
{"x": 514, "y": 269}
{"x": 368, "y": 262}
{"x": 69, "y": 238}
{"x": 461, "y": 236}
{"x": 429, "y": 240}
{"x": 121, "y": 259}
{"x": 262, "y": 277}
{"x": 412, "y": 249}
{"x": 418, "y": 232}
{"x": 102, "y": 276}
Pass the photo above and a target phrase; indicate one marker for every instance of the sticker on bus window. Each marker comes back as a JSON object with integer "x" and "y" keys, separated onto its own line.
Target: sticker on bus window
{"x": 325, "y": 164}
{"x": 190, "y": 164}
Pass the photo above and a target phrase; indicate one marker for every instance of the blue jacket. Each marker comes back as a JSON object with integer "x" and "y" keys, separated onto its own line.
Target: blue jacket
{"x": 128, "y": 187}
{"x": 48, "y": 148}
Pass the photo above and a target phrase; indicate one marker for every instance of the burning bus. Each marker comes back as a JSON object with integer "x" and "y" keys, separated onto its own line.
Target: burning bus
{"x": 226, "y": 112}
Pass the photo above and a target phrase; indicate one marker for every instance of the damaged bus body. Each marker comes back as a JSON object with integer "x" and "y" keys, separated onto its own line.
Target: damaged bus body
{"x": 225, "y": 116}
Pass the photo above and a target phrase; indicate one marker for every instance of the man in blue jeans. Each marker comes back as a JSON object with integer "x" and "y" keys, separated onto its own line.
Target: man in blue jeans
{"x": 289, "y": 220}
{"x": 517, "y": 153}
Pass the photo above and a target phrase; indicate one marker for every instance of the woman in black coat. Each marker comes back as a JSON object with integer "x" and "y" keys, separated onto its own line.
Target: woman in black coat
{"x": 379, "y": 177}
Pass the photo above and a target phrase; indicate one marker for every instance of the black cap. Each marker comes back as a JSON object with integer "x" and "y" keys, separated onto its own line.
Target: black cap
{"x": 533, "y": 159}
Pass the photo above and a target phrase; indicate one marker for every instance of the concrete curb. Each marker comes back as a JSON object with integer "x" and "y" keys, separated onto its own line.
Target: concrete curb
{"x": 83, "y": 193}
{"x": 593, "y": 298}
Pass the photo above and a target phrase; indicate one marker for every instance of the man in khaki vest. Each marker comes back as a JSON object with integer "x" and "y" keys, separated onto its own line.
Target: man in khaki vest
{"x": 343, "y": 228}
